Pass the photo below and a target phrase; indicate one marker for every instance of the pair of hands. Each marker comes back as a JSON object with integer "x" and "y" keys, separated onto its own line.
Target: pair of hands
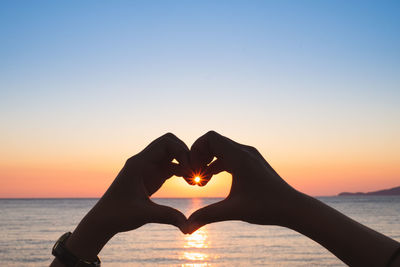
{"x": 258, "y": 195}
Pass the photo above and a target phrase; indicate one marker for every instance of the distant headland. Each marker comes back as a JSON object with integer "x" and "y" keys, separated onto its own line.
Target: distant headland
{"x": 395, "y": 191}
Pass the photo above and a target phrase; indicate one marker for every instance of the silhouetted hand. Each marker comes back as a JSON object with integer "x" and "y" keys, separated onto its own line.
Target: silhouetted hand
{"x": 126, "y": 204}
{"x": 258, "y": 195}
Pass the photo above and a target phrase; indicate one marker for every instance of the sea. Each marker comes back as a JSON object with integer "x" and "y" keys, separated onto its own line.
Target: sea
{"x": 29, "y": 228}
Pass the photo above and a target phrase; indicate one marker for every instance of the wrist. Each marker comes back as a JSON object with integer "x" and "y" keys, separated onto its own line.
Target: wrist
{"x": 89, "y": 237}
{"x": 293, "y": 210}
{"x": 64, "y": 257}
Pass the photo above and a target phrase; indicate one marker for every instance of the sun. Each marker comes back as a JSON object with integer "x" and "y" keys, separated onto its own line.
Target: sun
{"x": 197, "y": 178}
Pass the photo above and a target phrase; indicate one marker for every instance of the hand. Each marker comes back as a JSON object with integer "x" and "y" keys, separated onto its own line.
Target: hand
{"x": 258, "y": 195}
{"x": 126, "y": 204}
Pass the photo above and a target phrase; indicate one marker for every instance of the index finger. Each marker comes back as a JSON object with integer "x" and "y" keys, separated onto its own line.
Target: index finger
{"x": 211, "y": 145}
{"x": 168, "y": 147}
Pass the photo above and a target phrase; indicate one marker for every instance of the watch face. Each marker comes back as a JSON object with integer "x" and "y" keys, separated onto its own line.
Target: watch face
{"x": 60, "y": 241}
{"x": 55, "y": 247}
{"x": 84, "y": 263}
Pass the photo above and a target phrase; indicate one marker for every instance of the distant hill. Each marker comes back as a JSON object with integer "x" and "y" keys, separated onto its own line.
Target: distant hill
{"x": 395, "y": 191}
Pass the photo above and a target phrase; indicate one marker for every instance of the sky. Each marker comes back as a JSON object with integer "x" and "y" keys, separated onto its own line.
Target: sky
{"x": 84, "y": 85}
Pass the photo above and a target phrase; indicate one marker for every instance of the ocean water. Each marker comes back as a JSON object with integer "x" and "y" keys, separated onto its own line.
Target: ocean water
{"x": 29, "y": 228}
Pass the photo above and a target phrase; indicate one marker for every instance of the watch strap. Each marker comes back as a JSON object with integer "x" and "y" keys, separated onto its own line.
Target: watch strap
{"x": 69, "y": 259}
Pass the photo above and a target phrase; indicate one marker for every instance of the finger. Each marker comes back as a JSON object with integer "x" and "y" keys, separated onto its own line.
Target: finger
{"x": 212, "y": 145}
{"x": 178, "y": 150}
{"x": 217, "y": 212}
{"x": 214, "y": 168}
{"x": 176, "y": 169}
{"x": 167, "y": 215}
{"x": 168, "y": 147}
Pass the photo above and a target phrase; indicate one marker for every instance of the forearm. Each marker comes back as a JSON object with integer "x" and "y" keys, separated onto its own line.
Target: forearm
{"x": 87, "y": 239}
{"x": 352, "y": 242}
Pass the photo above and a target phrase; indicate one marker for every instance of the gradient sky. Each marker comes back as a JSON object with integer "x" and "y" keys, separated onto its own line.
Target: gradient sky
{"x": 314, "y": 85}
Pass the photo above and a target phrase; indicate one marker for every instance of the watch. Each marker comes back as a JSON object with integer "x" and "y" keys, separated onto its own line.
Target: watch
{"x": 66, "y": 257}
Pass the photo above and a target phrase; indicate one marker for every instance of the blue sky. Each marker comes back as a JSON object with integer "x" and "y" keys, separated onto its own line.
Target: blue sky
{"x": 280, "y": 73}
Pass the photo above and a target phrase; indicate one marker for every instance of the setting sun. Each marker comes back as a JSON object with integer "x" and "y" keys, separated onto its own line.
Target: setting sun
{"x": 197, "y": 179}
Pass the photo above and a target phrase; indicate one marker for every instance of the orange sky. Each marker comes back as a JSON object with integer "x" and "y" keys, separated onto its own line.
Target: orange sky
{"x": 84, "y": 174}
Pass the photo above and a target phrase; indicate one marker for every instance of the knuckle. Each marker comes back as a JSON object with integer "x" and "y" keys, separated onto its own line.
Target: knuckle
{"x": 132, "y": 161}
{"x": 169, "y": 135}
{"x": 212, "y": 133}
{"x": 252, "y": 149}
{"x": 166, "y": 139}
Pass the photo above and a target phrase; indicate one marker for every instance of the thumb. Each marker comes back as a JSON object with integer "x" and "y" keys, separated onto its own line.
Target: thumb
{"x": 167, "y": 215}
{"x": 216, "y": 212}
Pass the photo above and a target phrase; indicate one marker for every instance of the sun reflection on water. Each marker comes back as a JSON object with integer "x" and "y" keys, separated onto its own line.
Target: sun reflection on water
{"x": 197, "y": 240}
{"x": 195, "y": 256}
{"x": 196, "y": 244}
{"x": 195, "y": 265}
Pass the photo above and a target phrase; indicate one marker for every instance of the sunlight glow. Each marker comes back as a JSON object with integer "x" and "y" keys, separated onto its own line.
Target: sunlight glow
{"x": 197, "y": 178}
{"x": 195, "y": 256}
{"x": 197, "y": 239}
{"x": 197, "y": 243}
{"x": 195, "y": 264}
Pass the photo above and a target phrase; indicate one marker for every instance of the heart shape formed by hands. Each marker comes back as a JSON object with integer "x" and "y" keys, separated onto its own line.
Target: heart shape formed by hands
{"x": 257, "y": 194}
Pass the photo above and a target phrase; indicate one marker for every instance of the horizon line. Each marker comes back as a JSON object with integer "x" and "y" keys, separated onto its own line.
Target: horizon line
{"x": 27, "y": 198}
